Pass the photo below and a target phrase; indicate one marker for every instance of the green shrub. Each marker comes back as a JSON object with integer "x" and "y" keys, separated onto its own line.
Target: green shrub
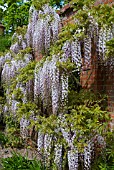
{"x": 5, "y": 42}
{"x": 3, "y": 139}
{"x": 105, "y": 159}
{"x": 17, "y": 162}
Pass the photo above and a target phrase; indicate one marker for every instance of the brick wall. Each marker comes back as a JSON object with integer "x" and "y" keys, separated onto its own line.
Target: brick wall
{"x": 100, "y": 78}
{"x": 104, "y": 2}
{"x": 109, "y": 85}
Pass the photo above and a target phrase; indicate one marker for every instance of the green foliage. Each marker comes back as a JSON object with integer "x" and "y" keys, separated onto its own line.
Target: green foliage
{"x": 12, "y": 132}
{"x": 85, "y": 115}
{"x": 54, "y": 3}
{"x": 2, "y": 100}
{"x": 16, "y": 14}
{"x": 18, "y": 94}
{"x": 110, "y": 48}
{"x": 3, "y": 139}
{"x": 86, "y": 97}
{"x": 27, "y": 73}
{"x": 66, "y": 67}
{"x": 5, "y": 42}
{"x": 1, "y": 14}
{"x": 103, "y": 14}
{"x": 87, "y": 122}
{"x": 105, "y": 159}
{"x": 80, "y": 3}
{"x": 17, "y": 161}
{"x": 38, "y": 4}
{"x": 47, "y": 125}
{"x": 22, "y": 53}
{"x": 9, "y": 2}
{"x": 21, "y": 30}
{"x": 88, "y": 118}
{"x": 26, "y": 110}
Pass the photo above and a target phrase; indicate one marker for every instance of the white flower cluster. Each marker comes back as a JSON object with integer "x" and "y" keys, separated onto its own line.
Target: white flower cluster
{"x": 43, "y": 29}
{"x": 46, "y": 85}
{"x": 10, "y": 68}
{"x": 19, "y": 45}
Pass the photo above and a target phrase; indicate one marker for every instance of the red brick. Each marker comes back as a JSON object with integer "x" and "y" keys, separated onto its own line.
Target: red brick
{"x": 111, "y": 125}
{"x": 112, "y": 115}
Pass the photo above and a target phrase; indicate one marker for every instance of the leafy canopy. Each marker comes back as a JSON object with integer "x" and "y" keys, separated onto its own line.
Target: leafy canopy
{"x": 14, "y": 13}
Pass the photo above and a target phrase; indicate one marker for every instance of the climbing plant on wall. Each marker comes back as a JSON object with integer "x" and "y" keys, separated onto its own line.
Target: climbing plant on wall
{"x": 47, "y": 95}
